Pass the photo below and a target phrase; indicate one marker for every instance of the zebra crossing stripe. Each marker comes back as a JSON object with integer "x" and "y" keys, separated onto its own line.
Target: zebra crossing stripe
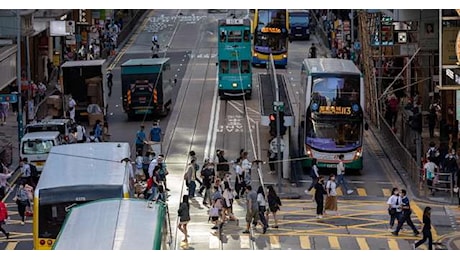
{"x": 305, "y": 242}
{"x": 393, "y": 244}
{"x": 275, "y": 242}
{"x": 362, "y": 243}
{"x": 334, "y": 242}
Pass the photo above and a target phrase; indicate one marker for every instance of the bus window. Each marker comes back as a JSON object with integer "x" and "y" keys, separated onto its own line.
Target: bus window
{"x": 223, "y": 36}
{"x": 234, "y": 67}
{"x": 246, "y": 35}
{"x": 234, "y": 36}
{"x": 245, "y": 66}
{"x": 224, "y": 66}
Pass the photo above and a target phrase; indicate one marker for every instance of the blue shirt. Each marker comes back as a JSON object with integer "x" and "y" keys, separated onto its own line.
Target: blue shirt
{"x": 140, "y": 137}
{"x": 155, "y": 134}
{"x": 98, "y": 131}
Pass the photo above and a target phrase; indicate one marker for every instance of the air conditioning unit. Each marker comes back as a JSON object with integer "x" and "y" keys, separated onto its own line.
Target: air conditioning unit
{"x": 70, "y": 27}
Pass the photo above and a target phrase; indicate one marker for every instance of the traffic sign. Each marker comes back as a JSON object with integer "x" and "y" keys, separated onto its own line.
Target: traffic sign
{"x": 10, "y": 98}
{"x": 274, "y": 145}
{"x": 278, "y": 106}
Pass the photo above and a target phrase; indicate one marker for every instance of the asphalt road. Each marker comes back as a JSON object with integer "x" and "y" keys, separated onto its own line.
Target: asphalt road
{"x": 201, "y": 122}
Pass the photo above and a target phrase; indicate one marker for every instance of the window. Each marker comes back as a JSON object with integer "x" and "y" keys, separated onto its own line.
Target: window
{"x": 234, "y": 36}
{"x": 245, "y": 68}
{"x": 234, "y": 67}
{"x": 336, "y": 91}
{"x": 223, "y": 66}
{"x": 37, "y": 146}
{"x": 223, "y": 36}
{"x": 246, "y": 35}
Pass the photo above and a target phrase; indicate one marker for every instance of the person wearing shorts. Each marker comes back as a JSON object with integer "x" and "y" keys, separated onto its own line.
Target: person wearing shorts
{"x": 252, "y": 210}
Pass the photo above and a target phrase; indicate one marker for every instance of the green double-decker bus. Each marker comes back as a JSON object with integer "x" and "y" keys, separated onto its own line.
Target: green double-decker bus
{"x": 234, "y": 58}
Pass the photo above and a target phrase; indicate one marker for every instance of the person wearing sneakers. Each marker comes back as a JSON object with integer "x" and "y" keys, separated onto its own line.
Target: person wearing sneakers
{"x": 406, "y": 215}
{"x": 426, "y": 230}
{"x": 341, "y": 175}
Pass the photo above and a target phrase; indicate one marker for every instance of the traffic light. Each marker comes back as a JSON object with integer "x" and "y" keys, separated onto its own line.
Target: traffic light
{"x": 273, "y": 125}
{"x": 416, "y": 122}
{"x": 282, "y": 127}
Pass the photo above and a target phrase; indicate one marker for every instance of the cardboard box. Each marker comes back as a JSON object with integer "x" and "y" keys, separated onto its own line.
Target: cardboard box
{"x": 53, "y": 112}
{"x": 51, "y": 100}
{"x": 93, "y": 90}
{"x": 92, "y": 118}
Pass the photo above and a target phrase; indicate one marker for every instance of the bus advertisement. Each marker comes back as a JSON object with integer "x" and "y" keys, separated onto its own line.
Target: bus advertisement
{"x": 271, "y": 35}
{"x": 234, "y": 58}
{"x": 332, "y": 106}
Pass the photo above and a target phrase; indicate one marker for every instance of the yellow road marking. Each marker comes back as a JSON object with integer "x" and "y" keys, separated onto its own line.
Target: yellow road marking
{"x": 244, "y": 242}
{"x": 393, "y": 244}
{"x": 11, "y": 245}
{"x": 305, "y": 242}
{"x": 362, "y": 243}
{"x": 361, "y": 192}
{"x": 386, "y": 192}
{"x": 334, "y": 242}
{"x": 275, "y": 242}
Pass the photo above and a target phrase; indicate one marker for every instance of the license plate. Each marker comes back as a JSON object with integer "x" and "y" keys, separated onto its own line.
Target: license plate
{"x": 142, "y": 100}
{"x": 300, "y": 28}
{"x": 143, "y": 111}
{"x": 298, "y": 34}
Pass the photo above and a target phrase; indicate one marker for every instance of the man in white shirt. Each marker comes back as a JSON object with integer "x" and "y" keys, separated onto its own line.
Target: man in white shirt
{"x": 81, "y": 133}
{"x": 72, "y": 105}
{"x": 152, "y": 166}
{"x": 341, "y": 175}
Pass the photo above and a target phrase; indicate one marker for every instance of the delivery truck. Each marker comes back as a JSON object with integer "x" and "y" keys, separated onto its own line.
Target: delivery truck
{"x": 147, "y": 86}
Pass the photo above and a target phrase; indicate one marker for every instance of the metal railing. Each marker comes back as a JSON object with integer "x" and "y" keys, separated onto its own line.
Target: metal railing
{"x": 444, "y": 182}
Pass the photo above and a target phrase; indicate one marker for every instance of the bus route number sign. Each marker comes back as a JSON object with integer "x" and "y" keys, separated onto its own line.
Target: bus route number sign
{"x": 332, "y": 110}
{"x": 270, "y": 30}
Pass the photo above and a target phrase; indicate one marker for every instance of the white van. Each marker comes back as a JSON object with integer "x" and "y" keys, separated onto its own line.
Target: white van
{"x": 36, "y": 146}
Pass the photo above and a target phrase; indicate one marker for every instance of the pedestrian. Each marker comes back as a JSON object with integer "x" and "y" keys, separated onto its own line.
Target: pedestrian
{"x": 222, "y": 164}
{"x": 155, "y": 43}
{"x": 274, "y": 204}
{"x": 5, "y": 174}
{"x": 252, "y": 209}
{"x": 432, "y": 118}
{"x": 394, "y": 207}
{"x": 26, "y": 172}
{"x": 331, "y": 191}
{"x": 72, "y": 105}
{"x": 450, "y": 165}
{"x": 341, "y": 175}
{"x": 109, "y": 77}
{"x": 426, "y": 230}
{"x": 92, "y": 138}
{"x": 98, "y": 130}
{"x": 262, "y": 208}
{"x": 184, "y": 217}
{"x": 312, "y": 51}
{"x": 22, "y": 201}
{"x": 161, "y": 195}
{"x": 320, "y": 191}
{"x": 4, "y": 106}
{"x": 140, "y": 139}
{"x": 152, "y": 183}
{"x": 207, "y": 176}
{"x": 155, "y": 132}
{"x": 3, "y": 217}
{"x": 314, "y": 174}
{"x": 163, "y": 170}
{"x": 147, "y": 159}
{"x": 227, "y": 197}
{"x": 240, "y": 184}
{"x": 81, "y": 133}
{"x": 271, "y": 157}
{"x": 189, "y": 178}
{"x": 139, "y": 171}
{"x": 434, "y": 153}
{"x": 430, "y": 170}
{"x": 406, "y": 215}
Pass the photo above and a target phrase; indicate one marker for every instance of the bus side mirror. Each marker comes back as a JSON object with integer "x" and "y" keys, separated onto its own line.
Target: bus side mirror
{"x": 366, "y": 126}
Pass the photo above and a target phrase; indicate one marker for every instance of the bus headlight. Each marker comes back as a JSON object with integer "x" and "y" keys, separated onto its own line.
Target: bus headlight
{"x": 284, "y": 56}
{"x": 255, "y": 55}
{"x": 358, "y": 154}
{"x": 308, "y": 152}
{"x": 234, "y": 84}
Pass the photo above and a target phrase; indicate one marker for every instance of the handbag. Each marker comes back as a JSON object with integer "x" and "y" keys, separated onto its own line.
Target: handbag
{"x": 391, "y": 211}
{"x": 214, "y": 212}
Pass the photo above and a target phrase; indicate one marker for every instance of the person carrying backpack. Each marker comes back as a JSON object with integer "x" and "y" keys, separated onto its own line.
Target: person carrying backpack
{"x": 433, "y": 153}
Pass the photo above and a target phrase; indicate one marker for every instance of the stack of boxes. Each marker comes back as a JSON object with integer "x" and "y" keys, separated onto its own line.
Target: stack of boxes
{"x": 54, "y": 105}
{"x": 94, "y": 92}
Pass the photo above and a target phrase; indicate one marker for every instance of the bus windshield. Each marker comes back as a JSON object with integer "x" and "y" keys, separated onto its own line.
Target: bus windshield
{"x": 334, "y": 135}
{"x": 271, "y": 31}
{"x": 336, "y": 90}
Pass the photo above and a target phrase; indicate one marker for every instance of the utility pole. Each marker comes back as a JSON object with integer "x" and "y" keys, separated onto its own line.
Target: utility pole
{"x": 18, "y": 76}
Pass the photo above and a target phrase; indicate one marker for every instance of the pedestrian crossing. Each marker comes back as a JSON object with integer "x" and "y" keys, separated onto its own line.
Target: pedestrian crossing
{"x": 361, "y": 192}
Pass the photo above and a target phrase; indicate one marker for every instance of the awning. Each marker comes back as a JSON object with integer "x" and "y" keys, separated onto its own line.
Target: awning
{"x": 448, "y": 87}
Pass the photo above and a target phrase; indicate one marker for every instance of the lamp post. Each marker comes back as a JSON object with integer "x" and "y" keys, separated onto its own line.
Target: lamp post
{"x": 18, "y": 77}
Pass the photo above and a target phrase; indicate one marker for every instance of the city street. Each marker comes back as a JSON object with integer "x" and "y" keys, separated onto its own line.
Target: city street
{"x": 201, "y": 122}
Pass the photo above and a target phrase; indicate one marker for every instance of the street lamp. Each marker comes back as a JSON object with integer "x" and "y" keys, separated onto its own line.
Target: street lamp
{"x": 18, "y": 76}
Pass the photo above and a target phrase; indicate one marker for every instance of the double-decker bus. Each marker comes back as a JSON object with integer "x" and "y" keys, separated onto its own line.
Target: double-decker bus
{"x": 332, "y": 113}
{"x": 116, "y": 224}
{"x": 271, "y": 35}
{"x": 75, "y": 174}
{"x": 234, "y": 58}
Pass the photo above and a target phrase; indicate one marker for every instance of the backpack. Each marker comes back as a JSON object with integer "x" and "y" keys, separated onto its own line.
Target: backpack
{"x": 433, "y": 153}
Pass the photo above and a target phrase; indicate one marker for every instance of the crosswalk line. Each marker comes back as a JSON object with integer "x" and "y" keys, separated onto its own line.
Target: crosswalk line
{"x": 305, "y": 242}
{"x": 244, "y": 242}
{"x": 362, "y": 243}
{"x": 393, "y": 244}
{"x": 11, "y": 245}
{"x": 361, "y": 192}
{"x": 275, "y": 242}
{"x": 334, "y": 242}
{"x": 214, "y": 242}
{"x": 386, "y": 192}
